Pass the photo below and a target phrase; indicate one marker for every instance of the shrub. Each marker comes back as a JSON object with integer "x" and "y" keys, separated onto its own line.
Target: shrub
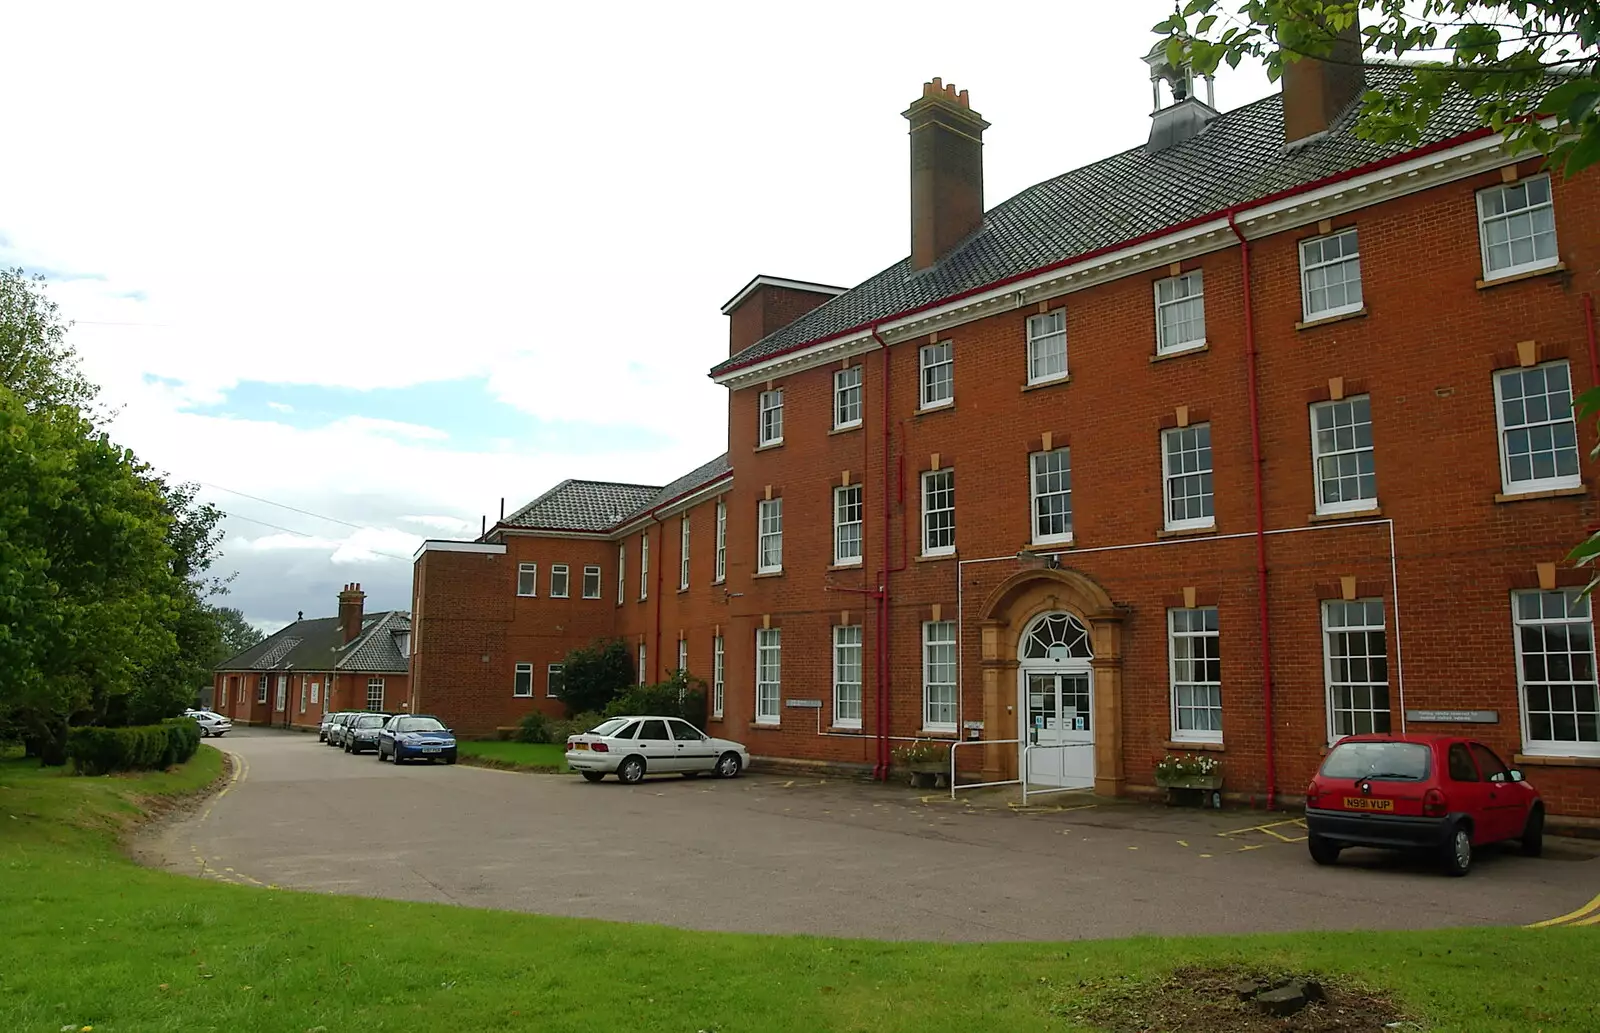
{"x": 923, "y": 751}
{"x": 574, "y": 725}
{"x": 595, "y": 674}
{"x": 95, "y": 751}
{"x": 534, "y": 727}
{"x": 678, "y": 696}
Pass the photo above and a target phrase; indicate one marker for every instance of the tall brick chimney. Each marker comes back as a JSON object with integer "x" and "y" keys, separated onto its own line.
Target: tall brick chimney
{"x": 1317, "y": 91}
{"x": 351, "y": 609}
{"x": 946, "y": 171}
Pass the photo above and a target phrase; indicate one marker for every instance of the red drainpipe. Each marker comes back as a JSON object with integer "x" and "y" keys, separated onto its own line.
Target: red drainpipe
{"x": 1594, "y": 352}
{"x": 880, "y": 770}
{"x": 661, "y": 561}
{"x": 1253, "y": 393}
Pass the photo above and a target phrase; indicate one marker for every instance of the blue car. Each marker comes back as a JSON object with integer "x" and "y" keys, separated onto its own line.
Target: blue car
{"x": 409, "y": 737}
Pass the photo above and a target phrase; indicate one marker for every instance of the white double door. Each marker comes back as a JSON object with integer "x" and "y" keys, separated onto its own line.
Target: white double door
{"x": 1057, "y": 707}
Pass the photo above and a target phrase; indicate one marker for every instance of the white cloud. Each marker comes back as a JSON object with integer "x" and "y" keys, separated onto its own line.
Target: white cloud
{"x": 283, "y": 407}
{"x": 440, "y": 523}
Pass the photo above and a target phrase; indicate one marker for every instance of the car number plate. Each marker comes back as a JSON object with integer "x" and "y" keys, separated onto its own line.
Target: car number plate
{"x": 1367, "y": 803}
{"x": 580, "y": 746}
{"x": 432, "y": 749}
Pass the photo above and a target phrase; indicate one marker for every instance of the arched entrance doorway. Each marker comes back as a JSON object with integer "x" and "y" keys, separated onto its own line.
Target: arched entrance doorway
{"x": 1055, "y": 634}
{"x": 1055, "y": 684}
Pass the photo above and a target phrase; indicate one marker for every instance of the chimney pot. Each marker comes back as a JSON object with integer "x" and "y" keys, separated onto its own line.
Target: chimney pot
{"x": 351, "y": 608}
{"x": 946, "y": 171}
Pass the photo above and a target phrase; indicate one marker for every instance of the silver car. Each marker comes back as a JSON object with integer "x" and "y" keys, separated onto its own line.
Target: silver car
{"x": 211, "y": 723}
{"x": 632, "y": 747}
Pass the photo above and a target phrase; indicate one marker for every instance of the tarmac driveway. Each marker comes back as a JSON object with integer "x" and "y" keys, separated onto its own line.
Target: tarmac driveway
{"x": 779, "y": 855}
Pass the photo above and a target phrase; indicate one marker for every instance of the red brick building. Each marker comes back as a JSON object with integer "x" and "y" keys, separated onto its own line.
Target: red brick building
{"x": 355, "y": 661}
{"x": 1237, "y": 442}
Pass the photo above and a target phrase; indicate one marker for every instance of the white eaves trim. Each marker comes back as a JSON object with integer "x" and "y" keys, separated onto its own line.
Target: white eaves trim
{"x": 778, "y": 281}
{"x": 441, "y": 545}
{"x": 1392, "y": 181}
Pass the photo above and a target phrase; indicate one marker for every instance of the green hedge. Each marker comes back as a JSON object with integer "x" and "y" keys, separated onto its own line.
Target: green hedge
{"x": 669, "y": 699}
{"x": 96, "y": 751}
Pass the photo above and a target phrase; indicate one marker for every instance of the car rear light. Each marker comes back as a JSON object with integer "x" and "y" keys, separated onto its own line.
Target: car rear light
{"x": 1434, "y": 805}
{"x": 1312, "y": 794}
{"x": 600, "y": 747}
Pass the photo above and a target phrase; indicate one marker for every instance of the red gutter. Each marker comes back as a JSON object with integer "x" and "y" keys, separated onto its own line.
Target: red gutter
{"x": 1253, "y": 392}
{"x": 1227, "y": 213}
{"x": 880, "y": 771}
{"x": 1594, "y": 352}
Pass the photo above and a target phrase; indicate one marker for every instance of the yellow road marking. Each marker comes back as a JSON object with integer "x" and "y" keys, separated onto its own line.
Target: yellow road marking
{"x": 1205, "y": 855}
{"x": 1573, "y": 917}
{"x": 1183, "y": 842}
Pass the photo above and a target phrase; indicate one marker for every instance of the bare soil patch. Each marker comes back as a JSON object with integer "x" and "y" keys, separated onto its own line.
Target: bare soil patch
{"x": 1214, "y": 1000}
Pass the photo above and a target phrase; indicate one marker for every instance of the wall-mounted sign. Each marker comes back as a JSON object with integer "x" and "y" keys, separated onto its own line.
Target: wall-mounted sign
{"x": 803, "y": 704}
{"x": 972, "y": 725}
{"x": 1454, "y": 717}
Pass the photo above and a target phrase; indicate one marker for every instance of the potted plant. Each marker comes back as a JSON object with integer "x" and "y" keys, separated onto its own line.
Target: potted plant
{"x": 926, "y": 761}
{"x": 1187, "y": 777}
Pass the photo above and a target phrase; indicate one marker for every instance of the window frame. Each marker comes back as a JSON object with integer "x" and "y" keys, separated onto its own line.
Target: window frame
{"x": 683, "y": 655}
{"x": 1359, "y": 505}
{"x": 1163, "y": 346}
{"x": 1558, "y": 482}
{"x": 565, "y": 573}
{"x": 718, "y": 674}
{"x": 1305, "y": 271}
{"x": 1327, "y": 664}
{"x": 518, "y": 672}
{"x": 769, "y": 641}
{"x": 764, "y": 534}
{"x": 720, "y": 569}
{"x": 622, "y": 573}
{"x": 1483, "y": 228}
{"x": 1168, "y": 476}
{"x": 923, "y": 368}
{"x": 1197, "y": 735}
{"x": 261, "y": 690}
{"x": 552, "y": 672}
{"x": 954, "y": 702}
{"x": 769, "y": 418}
{"x": 528, "y": 573}
{"x": 683, "y": 552}
{"x": 375, "y": 683}
{"x": 840, "y": 684}
{"x": 859, "y": 524}
{"x": 938, "y": 550}
{"x": 1035, "y": 538}
{"x": 644, "y": 565}
{"x": 1036, "y": 338}
{"x": 644, "y": 662}
{"x": 591, "y": 568}
{"x": 1550, "y": 747}
{"x": 839, "y": 391}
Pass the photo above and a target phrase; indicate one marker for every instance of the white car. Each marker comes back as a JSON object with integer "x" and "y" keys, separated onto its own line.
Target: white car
{"x": 632, "y": 747}
{"x": 211, "y": 723}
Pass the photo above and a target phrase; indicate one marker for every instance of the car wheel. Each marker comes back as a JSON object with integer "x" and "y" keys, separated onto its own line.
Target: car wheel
{"x": 1533, "y": 833}
{"x": 728, "y": 765}
{"x": 631, "y": 771}
{"x": 1323, "y": 851}
{"x": 593, "y": 776}
{"x": 449, "y": 760}
{"x": 1457, "y": 851}
{"x": 395, "y": 756}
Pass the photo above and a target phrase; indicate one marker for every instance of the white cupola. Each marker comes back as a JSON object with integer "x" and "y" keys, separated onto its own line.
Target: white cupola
{"x": 1179, "y": 114}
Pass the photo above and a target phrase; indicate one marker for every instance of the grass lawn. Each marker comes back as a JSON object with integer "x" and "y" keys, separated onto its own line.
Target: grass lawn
{"x": 529, "y": 756}
{"x": 93, "y": 940}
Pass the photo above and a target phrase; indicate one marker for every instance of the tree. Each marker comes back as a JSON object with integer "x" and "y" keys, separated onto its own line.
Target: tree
{"x": 235, "y": 634}
{"x": 1501, "y": 55}
{"x": 595, "y": 675}
{"x": 36, "y": 362}
{"x": 88, "y": 597}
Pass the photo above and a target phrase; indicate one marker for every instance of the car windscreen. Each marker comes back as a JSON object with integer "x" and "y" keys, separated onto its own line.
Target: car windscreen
{"x": 1399, "y": 761}
{"x": 607, "y": 727}
{"x": 369, "y": 722}
{"x": 418, "y": 724}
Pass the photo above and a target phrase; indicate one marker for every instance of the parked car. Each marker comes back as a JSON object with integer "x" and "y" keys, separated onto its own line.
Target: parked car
{"x": 210, "y": 723}
{"x": 361, "y": 732}
{"x": 1443, "y": 794}
{"x": 337, "y": 727}
{"x": 631, "y": 747}
{"x": 413, "y": 736}
{"x": 327, "y": 723}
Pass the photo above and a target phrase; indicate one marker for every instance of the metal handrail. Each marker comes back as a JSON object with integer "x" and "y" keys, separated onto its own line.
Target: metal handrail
{"x": 1045, "y": 746}
{"x": 976, "y": 785}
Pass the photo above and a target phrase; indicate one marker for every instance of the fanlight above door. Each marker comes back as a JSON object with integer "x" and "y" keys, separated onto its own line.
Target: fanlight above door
{"x": 1057, "y": 636}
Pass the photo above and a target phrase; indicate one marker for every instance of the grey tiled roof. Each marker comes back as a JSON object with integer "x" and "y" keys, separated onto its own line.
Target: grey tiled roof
{"x": 318, "y": 645}
{"x": 599, "y": 506}
{"x": 582, "y": 506}
{"x": 1239, "y": 157}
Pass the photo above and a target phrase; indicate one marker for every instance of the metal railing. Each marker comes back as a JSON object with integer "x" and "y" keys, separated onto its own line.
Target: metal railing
{"x": 1029, "y": 748}
{"x": 977, "y": 785}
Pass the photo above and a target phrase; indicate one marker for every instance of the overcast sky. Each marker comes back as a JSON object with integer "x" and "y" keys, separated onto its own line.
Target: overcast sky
{"x": 387, "y": 263}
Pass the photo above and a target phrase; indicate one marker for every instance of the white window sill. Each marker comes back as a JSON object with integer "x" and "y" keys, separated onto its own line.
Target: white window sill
{"x": 937, "y": 733}
{"x": 774, "y": 572}
{"x": 1513, "y": 275}
{"x": 1345, "y": 514}
{"x": 559, "y": 597}
{"x": 1035, "y": 385}
{"x": 1324, "y": 318}
{"x": 720, "y": 581}
{"x": 764, "y": 723}
{"x": 1529, "y": 492}
{"x": 937, "y": 407}
{"x": 715, "y": 717}
{"x": 844, "y": 428}
{"x": 521, "y": 695}
{"x": 1049, "y": 543}
{"x": 1184, "y": 530}
{"x": 769, "y": 444}
{"x": 1568, "y": 759}
{"x": 934, "y": 557}
{"x": 1203, "y": 745}
{"x": 845, "y": 726}
{"x": 526, "y": 595}
{"x": 1192, "y": 348}
{"x": 846, "y": 564}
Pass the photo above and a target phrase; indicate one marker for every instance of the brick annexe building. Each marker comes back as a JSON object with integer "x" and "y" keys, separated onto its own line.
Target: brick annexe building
{"x": 1239, "y": 441}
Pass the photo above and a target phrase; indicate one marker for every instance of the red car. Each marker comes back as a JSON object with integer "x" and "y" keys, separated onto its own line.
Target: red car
{"x": 1445, "y": 793}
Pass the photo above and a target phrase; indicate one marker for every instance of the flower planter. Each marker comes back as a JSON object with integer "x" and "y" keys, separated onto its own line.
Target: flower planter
{"x": 927, "y": 774}
{"x": 1190, "y": 782}
{"x": 1192, "y": 790}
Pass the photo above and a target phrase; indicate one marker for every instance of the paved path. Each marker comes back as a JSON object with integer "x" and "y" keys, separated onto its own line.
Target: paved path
{"x": 766, "y": 854}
